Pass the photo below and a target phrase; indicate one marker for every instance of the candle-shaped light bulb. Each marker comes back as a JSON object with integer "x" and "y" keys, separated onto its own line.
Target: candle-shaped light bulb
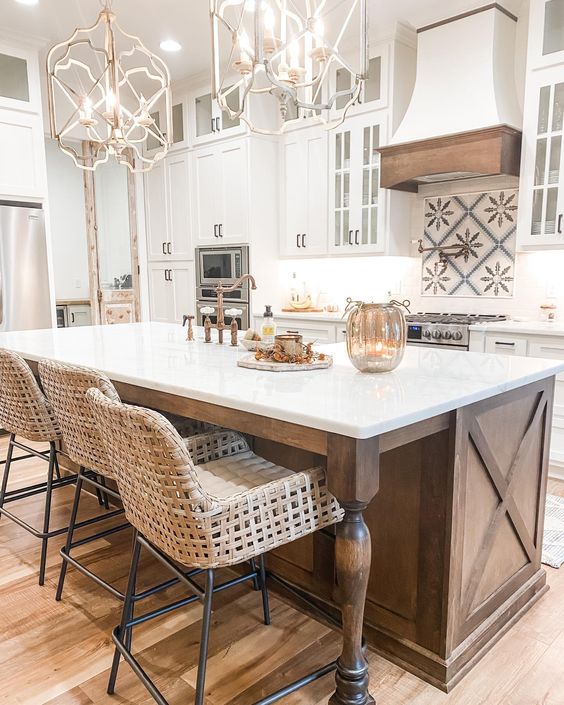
{"x": 319, "y": 29}
{"x": 294, "y": 55}
{"x": 244, "y": 47}
{"x": 268, "y": 19}
{"x": 85, "y": 112}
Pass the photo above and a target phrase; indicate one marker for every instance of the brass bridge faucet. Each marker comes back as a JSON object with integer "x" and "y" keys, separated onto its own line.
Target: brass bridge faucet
{"x": 220, "y": 290}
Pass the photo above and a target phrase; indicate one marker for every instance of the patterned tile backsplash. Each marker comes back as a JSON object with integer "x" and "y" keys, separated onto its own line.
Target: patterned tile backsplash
{"x": 485, "y": 224}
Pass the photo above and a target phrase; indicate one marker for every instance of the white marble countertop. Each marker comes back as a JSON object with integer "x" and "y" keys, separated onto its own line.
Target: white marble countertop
{"x": 523, "y": 327}
{"x": 341, "y": 399}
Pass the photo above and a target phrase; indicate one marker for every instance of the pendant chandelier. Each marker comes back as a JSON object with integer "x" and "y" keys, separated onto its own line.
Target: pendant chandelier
{"x": 285, "y": 50}
{"x": 105, "y": 88}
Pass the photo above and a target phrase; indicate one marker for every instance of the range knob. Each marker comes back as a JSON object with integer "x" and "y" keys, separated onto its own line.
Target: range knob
{"x": 457, "y": 335}
{"x": 436, "y": 334}
{"x": 426, "y": 333}
{"x": 447, "y": 335}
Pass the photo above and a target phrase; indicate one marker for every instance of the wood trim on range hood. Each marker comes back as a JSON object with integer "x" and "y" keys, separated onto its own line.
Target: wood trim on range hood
{"x": 491, "y": 151}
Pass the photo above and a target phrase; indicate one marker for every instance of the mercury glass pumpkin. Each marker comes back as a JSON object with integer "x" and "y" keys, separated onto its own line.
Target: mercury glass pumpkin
{"x": 376, "y": 336}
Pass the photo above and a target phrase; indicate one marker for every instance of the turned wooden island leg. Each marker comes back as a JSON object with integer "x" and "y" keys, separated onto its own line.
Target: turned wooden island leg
{"x": 352, "y": 475}
{"x": 352, "y": 562}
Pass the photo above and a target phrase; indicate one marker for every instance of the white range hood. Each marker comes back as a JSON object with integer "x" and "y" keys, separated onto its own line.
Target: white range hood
{"x": 464, "y": 118}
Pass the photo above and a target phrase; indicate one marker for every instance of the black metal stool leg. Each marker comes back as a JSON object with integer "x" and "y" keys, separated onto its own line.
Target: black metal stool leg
{"x": 104, "y": 494}
{"x": 47, "y": 515}
{"x": 57, "y": 468}
{"x": 264, "y": 589}
{"x": 256, "y": 585}
{"x": 70, "y": 533}
{"x": 7, "y": 466}
{"x": 127, "y": 612}
{"x": 204, "y": 641}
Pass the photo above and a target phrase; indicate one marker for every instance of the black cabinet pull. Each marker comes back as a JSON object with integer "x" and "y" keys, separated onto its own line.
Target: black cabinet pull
{"x": 165, "y": 275}
{"x": 560, "y": 224}
{"x": 503, "y": 342}
{"x": 220, "y": 229}
{"x": 168, "y": 248}
{"x": 298, "y": 240}
{"x": 170, "y": 275}
{"x": 215, "y": 230}
{"x": 72, "y": 317}
{"x": 212, "y": 125}
{"x": 164, "y": 246}
{"x": 303, "y": 240}
{"x": 356, "y": 237}
{"x": 350, "y": 237}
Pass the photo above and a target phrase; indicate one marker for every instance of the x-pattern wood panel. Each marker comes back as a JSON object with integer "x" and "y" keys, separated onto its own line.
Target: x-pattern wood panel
{"x": 504, "y": 488}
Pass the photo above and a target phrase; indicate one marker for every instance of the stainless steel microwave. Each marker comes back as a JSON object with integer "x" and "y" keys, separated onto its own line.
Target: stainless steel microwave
{"x": 221, "y": 264}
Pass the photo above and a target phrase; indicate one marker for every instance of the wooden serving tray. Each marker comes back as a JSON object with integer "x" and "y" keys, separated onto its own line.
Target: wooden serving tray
{"x": 251, "y": 363}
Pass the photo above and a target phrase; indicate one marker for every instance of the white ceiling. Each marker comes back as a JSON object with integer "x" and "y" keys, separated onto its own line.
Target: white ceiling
{"x": 187, "y": 21}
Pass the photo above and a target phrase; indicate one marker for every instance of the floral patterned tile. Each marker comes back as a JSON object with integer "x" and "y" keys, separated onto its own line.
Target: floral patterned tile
{"x": 478, "y": 233}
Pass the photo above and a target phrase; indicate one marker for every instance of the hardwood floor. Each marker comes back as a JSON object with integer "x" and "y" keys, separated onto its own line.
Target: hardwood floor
{"x": 60, "y": 653}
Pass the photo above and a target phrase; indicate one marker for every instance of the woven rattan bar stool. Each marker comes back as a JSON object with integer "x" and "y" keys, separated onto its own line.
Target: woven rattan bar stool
{"x": 66, "y": 386}
{"x": 26, "y": 414}
{"x": 231, "y": 509}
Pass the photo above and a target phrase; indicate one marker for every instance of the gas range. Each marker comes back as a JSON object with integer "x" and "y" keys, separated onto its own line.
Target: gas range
{"x": 444, "y": 329}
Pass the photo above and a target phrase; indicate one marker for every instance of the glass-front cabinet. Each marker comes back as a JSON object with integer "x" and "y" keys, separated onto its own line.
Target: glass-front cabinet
{"x": 542, "y": 182}
{"x": 179, "y": 127}
{"x": 208, "y": 121}
{"x": 354, "y": 193}
{"x": 374, "y": 94}
{"x": 546, "y": 33}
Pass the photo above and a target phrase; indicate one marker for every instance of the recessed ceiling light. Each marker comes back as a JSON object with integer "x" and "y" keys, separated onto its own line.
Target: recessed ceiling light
{"x": 170, "y": 45}
{"x": 28, "y": 2}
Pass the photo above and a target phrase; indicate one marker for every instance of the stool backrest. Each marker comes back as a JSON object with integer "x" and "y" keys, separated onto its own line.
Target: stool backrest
{"x": 24, "y": 410}
{"x": 66, "y": 386}
{"x": 157, "y": 480}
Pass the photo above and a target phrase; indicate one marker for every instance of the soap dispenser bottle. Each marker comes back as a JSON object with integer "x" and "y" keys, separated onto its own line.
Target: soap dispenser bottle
{"x": 268, "y": 328}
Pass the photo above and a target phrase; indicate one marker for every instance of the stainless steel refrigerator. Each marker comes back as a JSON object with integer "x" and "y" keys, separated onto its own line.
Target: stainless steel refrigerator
{"x": 24, "y": 280}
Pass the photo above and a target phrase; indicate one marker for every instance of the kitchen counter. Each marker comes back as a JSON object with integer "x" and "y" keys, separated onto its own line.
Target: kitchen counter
{"x": 339, "y": 400}
{"x": 523, "y": 327}
{"x": 323, "y": 316}
{"x": 440, "y": 467}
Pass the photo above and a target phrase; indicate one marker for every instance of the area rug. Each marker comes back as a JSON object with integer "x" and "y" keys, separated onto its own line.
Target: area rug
{"x": 553, "y": 542}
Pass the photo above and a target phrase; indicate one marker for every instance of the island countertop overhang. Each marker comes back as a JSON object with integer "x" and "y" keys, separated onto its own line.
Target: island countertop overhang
{"x": 339, "y": 400}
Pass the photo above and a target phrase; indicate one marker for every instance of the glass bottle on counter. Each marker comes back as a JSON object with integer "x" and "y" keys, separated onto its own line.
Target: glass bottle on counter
{"x": 268, "y": 328}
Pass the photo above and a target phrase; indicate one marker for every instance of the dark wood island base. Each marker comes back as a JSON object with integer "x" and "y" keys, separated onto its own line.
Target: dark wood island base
{"x": 455, "y": 521}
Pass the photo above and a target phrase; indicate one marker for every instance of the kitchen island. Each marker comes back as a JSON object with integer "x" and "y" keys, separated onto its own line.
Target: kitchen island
{"x": 440, "y": 466}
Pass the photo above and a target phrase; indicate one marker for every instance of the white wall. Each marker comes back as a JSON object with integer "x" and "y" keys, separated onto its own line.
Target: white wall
{"x": 68, "y": 224}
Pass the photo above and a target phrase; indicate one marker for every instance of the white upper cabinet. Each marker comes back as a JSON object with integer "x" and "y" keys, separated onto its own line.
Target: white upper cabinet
{"x": 167, "y": 209}
{"x": 22, "y": 150}
{"x": 542, "y": 168}
{"x": 179, "y": 127}
{"x": 546, "y": 33}
{"x": 356, "y": 202}
{"x": 207, "y": 121}
{"x": 374, "y": 94}
{"x": 221, "y": 203}
{"x": 304, "y": 193}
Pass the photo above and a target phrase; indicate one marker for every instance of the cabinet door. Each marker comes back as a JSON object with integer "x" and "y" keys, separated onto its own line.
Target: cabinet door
{"x": 340, "y": 190}
{"x": 294, "y": 198}
{"x": 542, "y": 184}
{"x": 304, "y": 200}
{"x": 207, "y": 186}
{"x": 546, "y": 33}
{"x": 156, "y": 212}
{"x": 79, "y": 315}
{"x": 504, "y": 345}
{"x": 374, "y": 95}
{"x": 355, "y": 196}
{"x": 233, "y": 207}
{"x": 178, "y": 188}
{"x": 161, "y": 295}
{"x": 183, "y": 291}
{"x": 209, "y": 122}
